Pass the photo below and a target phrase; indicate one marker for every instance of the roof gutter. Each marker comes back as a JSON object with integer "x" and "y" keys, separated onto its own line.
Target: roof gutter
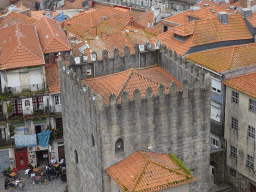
{"x": 220, "y": 75}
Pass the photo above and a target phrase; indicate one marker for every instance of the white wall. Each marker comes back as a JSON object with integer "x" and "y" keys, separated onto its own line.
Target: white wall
{"x": 27, "y": 110}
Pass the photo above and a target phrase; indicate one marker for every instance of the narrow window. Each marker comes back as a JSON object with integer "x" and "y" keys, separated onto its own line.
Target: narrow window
{"x": 46, "y": 58}
{"x": 93, "y": 142}
{"x": 234, "y": 123}
{"x": 251, "y": 132}
{"x": 252, "y": 105}
{"x": 57, "y": 99}
{"x": 119, "y": 145}
{"x": 233, "y": 152}
{"x": 235, "y": 97}
{"x": 17, "y": 107}
{"x": 38, "y": 103}
{"x": 250, "y": 161}
{"x": 232, "y": 172}
{"x": 76, "y": 156}
{"x": 215, "y": 142}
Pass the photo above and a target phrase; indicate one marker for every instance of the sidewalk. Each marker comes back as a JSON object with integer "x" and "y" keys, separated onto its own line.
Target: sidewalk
{"x": 53, "y": 186}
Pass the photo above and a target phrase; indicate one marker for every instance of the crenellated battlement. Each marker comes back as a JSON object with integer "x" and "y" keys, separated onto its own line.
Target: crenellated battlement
{"x": 175, "y": 121}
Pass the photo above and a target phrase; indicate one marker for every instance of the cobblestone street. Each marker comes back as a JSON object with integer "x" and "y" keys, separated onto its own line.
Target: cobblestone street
{"x": 53, "y": 186}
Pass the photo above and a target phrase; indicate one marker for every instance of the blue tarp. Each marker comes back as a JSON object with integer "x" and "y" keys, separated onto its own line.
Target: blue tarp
{"x": 60, "y": 17}
{"x": 43, "y": 138}
{"x": 25, "y": 140}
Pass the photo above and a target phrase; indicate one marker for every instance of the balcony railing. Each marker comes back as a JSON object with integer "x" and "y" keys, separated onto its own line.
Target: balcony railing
{"x": 25, "y": 88}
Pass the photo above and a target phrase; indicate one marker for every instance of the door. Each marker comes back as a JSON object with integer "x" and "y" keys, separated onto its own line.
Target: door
{"x": 21, "y": 157}
{"x": 61, "y": 152}
{"x": 253, "y": 188}
{"x": 4, "y": 160}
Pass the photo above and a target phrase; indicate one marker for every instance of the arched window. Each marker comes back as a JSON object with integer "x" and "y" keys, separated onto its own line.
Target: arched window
{"x": 119, "y": 145}
{"x": 93, "y": 142}
{"x": 27, "y": 103}
{"x": 76, "y": 156}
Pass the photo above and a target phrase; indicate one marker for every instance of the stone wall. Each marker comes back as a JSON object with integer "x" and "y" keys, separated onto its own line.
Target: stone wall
{"x": 177, "y": 122}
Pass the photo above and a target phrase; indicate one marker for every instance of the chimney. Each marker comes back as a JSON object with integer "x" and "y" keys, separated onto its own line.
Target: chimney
{"x": 249, "y": 4}
{"x": 223, "y": 17}
{"x": 206, "y": 5}
{"x": 246, "y": 12}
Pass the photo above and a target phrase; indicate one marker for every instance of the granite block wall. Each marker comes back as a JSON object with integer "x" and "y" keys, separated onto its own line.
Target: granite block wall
{"x": 177, "y": 122}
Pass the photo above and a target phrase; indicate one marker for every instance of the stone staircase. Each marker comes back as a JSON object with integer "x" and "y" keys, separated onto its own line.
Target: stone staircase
{"x": 223, "y": 188}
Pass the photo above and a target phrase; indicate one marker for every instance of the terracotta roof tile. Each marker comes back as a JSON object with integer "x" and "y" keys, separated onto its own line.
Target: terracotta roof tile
{"x": 212, "y": 3}
{"x": 252, "y": 19}
{"x": 147, "y": 17}
{"x": 52, "y": 78}
{"x": 129, "y": 80}
{"x": 16, "y": 18}
{"x": 77, "y": 4}
{"x": 27, "y": 4}
{"x": 51, "y": 36}
{"x": 205, "y": 31}
{"x": 38, "y": 14}
{"x": 20, "y": 47}
{"x": 227, "y": 58}
{"x": 147, "y": 171}
{"x": 245, "y": 84}
{"x": 117, "y": 40}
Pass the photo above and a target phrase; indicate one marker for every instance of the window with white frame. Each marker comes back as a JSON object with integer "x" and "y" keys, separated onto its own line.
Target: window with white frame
{"x": 251, "y": 132}
{"x": 235, "y": 97}
{"x": 166, "y": 5}
{"x": 234, "y": 123}
{"x": 215, "y": 111}
{"x": 216, "y": 85}
{"x": 215, "y": 142}
{"x": 252, "y": 105}
{"x": 250, "y": 161}
{"x": 233, "y": 151}
{"x": 57, "y": 100}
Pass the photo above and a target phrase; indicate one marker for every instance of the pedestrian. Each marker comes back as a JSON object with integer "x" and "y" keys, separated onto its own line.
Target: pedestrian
{"x": 66, "y": 189}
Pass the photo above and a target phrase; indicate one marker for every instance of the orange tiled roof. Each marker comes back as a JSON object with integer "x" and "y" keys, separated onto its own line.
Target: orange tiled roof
{"x": 205, "y": 31}
{"x": 252, "y": 19}
{"x": 52, "y": 78}
{"x": 93, "y": 17}
{"x": 75, "y": 5}
{"x": 147, "y": 171}
{"x": 226, "y": 58}
{"x": 129, "y": 80}
{"x": 117, "y": 40}
{"x": 212, "y": 3}
{"x": 51, "y": 36}
{"x": 20, "y": 47}
{"x": 16, "y": 18}
{"x": 155, "y": 30}
{"x": 245, "y": 84}
{"x": 27, "y": 4}
{"x": 147, "y": 17}
{"x": 38, "y": 14}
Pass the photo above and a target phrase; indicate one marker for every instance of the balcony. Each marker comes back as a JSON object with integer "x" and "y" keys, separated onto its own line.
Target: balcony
{"x": 25, "y": 88}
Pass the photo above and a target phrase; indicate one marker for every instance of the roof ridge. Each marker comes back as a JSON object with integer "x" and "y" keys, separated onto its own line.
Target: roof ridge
{"x": 215, "y": 29}
{"x": 231, "y": 58}
{"x": 130, "y": 73}
{"x": 33, "y": 53}
{"x": 50, "y": 30}
{"x": 17, "y": 34}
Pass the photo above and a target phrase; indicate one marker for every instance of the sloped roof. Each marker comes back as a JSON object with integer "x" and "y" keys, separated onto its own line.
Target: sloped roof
{"x": 117, "y": 40}
{"x": 20, "y": 47}
{"x": 93, "y": 17}
{"x": 51, "y": 36}
{"x": 38, "y": 14}
{"x": 213, "y": 3}
{"x": 147, "y": 171}
{"x": 52, "y": 78}
{"x": 205, "y": 31}
{"x": 147, "y": 17}
{"x": 245, "y": 84}
{"x": 252, "y": 19}
{"x": 226, "y": 58}
{"x": 129, "y": 80}
{"x": 27, "y": 3}
{"x": 77, "y": 4}
{"x": 16, "y": 18}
